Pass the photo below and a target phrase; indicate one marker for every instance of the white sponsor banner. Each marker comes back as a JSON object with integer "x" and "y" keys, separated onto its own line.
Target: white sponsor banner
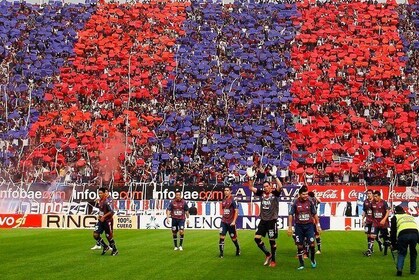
{"x": 125, "y": 222}
{"x": 251, "y": 222}
{"x": 195, "y": 222}
{"x": 62, "y": 221}
{"x": 206, "y": 222}
{"x": 349, "y": 223}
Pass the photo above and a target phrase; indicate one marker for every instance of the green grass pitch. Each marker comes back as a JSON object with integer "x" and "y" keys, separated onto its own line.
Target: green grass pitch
{"x": 148, "y": 254}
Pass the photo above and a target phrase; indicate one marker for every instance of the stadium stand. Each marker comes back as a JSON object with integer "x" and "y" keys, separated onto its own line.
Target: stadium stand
{"x": 353, "y": 95}
{"x": 181, "y": 92}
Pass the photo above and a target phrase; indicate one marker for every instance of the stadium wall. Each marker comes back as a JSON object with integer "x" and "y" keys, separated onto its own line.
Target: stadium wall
{"x": 198, "y": 222}
{"x": 144, "y": 199}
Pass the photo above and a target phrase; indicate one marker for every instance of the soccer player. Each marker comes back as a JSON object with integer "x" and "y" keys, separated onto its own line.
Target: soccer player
{"x": 269, "y": 209}
{"x": 178, "y": 210}
{"x": 316, "y": 203}
{"x": 404, "y": 234}
{"x": 97, "y": 246}
{"x": 380, "y": 222}
{"x": 367, "y": 220}
{"x": 304, "y": 213}
{"x": 229, "y": 213}
{"x": 104, "y": 224}
{"x": 306, "y": 244}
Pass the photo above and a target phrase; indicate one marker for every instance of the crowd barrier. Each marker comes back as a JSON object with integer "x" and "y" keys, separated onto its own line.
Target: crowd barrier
{"x": 143, "y": 206}
{"x": 196, "y": 222}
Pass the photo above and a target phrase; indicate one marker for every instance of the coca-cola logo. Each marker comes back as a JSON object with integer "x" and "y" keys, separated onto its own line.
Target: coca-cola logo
{"x": 327, "y": 194}
{"x": 402, "y": 195}
{"x": 355, "y": 194}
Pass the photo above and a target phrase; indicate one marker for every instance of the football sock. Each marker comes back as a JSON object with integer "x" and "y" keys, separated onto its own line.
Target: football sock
{"x": 319, "y": 243}
{"x": 386, "y": 245}
{"x": 221, "y": 245}
{"x": 181, "y": 240}
{"x": 301, "y": 255}
{"x": 261, "y": 246}
{"x": 112, "y": 244}
{"x": 370, "y": 243}
{"x": 102, "y": 242}
{"x": 175, "y": 239}
{"x": 236, "y": 243}
{"x": 273, "y": 248}
{"x": 312, "y": 253}
{"x": 379, "y": 241}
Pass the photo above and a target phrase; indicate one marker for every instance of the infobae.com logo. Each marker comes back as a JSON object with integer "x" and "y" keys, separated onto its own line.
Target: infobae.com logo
{"x": 23, "y": 194}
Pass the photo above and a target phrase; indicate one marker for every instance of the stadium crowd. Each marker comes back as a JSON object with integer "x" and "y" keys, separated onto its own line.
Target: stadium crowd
{"x": 194, "y": 93}
{"x": 355, "y": 95}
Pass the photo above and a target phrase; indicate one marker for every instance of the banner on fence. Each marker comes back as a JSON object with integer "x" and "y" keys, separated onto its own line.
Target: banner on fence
{"x": 62, "y": 221}
{"x": 20, "y": 221}
{"x": 140, "y": 199}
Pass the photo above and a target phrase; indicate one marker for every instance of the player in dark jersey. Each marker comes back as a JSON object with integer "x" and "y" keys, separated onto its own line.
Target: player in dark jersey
{"x": 380, "y": 213}
{"x": 304, "y": 213}
{"x": 269, "y": 209}
{"x": 367, "y": 220}
{"x": 306, "y": 244}
{"x": 178, "y": 210}
{"x": 104, "y": 223}
{"x": 316, "y": 202}
{"x": 97, "y": 246}
{"x": 229, "y": 214}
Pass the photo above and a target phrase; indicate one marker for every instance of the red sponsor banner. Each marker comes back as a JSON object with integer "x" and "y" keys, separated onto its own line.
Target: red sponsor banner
{"x": 348, "y": 223}
{"x": 20, "y": 220}
{"x": 403, "y": 194}
{"x": 336, "y": 193}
